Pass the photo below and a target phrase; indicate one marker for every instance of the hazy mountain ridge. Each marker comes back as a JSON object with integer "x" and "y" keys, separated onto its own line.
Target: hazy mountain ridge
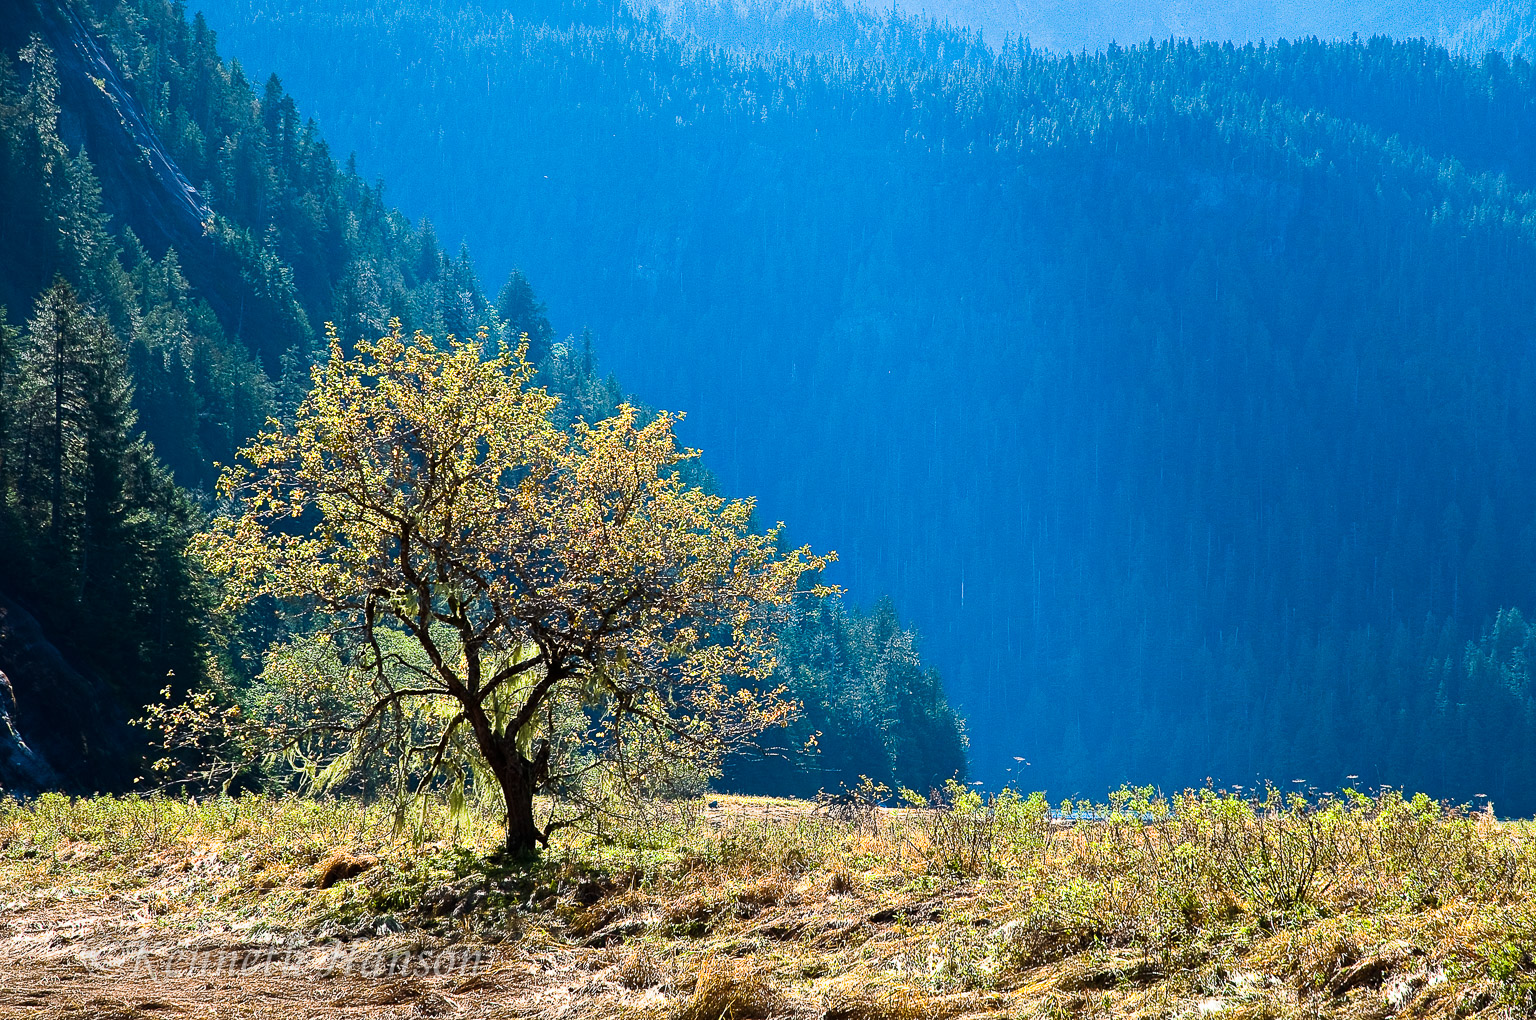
{"x": 830, "y": 27}
{"x": 1064, "y": 26}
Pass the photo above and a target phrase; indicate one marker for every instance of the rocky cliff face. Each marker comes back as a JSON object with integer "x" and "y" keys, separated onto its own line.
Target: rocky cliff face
{"x": 22, "y": 770}
{"x": 107, "y": 118}
{"x": 141, "y": 185}
{"x": 59, "y": 728}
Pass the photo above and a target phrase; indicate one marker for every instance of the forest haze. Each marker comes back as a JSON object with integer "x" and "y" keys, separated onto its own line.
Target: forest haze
{"x": 1175, "y": 391}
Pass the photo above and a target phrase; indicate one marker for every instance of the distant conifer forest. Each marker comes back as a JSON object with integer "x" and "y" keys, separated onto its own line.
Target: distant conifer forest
{"x": 1169, "y": 406}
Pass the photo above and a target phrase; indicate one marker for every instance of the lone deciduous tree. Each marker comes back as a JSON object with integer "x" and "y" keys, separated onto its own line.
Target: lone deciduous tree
{"x": 555, "y": 594}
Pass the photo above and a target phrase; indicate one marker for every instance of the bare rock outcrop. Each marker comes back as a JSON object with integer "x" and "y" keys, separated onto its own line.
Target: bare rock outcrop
{"x": 59, "y": 728}
{"x": 22, "y": 770}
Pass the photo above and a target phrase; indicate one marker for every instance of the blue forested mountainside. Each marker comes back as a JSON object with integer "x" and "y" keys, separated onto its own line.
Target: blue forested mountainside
{"x": 1177, "y": 391}
{"x": 172, "y": 239}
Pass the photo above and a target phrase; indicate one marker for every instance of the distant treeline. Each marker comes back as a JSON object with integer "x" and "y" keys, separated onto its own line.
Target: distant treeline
{"x": 1507, "y": 26}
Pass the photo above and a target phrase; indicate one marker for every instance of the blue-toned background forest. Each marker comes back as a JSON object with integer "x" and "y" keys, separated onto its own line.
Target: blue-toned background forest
{"x": 1177, "y": 394}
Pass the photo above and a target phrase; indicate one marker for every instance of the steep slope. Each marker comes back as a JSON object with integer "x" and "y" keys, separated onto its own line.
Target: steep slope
{"x": 1508, "y": 26}
{"x": 1175, "y": 390}
{"x": 118, "y": 271}
{"x": 145, "y": 189}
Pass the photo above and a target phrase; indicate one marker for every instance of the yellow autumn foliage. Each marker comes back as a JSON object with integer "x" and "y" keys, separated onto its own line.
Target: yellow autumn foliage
{"x": 569, "y": 601}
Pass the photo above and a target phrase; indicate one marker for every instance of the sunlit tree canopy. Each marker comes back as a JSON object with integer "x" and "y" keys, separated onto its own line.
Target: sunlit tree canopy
{"x": 557, "y": 608}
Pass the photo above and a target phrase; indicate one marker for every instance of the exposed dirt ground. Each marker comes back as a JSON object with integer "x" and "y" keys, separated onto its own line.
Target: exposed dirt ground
{"x": 72, "y": 952}
{"x": 80, "y": 958}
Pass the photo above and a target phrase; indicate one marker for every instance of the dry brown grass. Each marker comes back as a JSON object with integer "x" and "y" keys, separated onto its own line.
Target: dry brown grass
{"x": 341, "y": 867}
{"x": 726, "y": 989}
{"x": 1203, "y": 905}
{"x": 640, "y": 970}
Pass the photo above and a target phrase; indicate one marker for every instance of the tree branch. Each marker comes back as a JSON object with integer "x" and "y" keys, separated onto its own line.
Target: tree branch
{"x": 510, "y": 672}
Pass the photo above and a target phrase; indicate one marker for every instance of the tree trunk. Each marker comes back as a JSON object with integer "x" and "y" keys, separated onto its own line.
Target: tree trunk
{"x": 516, "y": 779}
{"x": 58, "y": 426}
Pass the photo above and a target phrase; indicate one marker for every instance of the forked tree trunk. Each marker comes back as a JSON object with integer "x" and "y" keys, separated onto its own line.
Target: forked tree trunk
{"x": 517, "y": 786}
{"x": 518, "y": 777}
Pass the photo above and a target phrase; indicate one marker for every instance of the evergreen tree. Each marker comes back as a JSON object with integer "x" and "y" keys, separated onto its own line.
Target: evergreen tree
{"x": 56, "y": 374}
{"x": 96, "y": 531}
{"x": 10, "y": 406}
{"x": 871, "y": 709}
{"x": 525, "y": 314}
